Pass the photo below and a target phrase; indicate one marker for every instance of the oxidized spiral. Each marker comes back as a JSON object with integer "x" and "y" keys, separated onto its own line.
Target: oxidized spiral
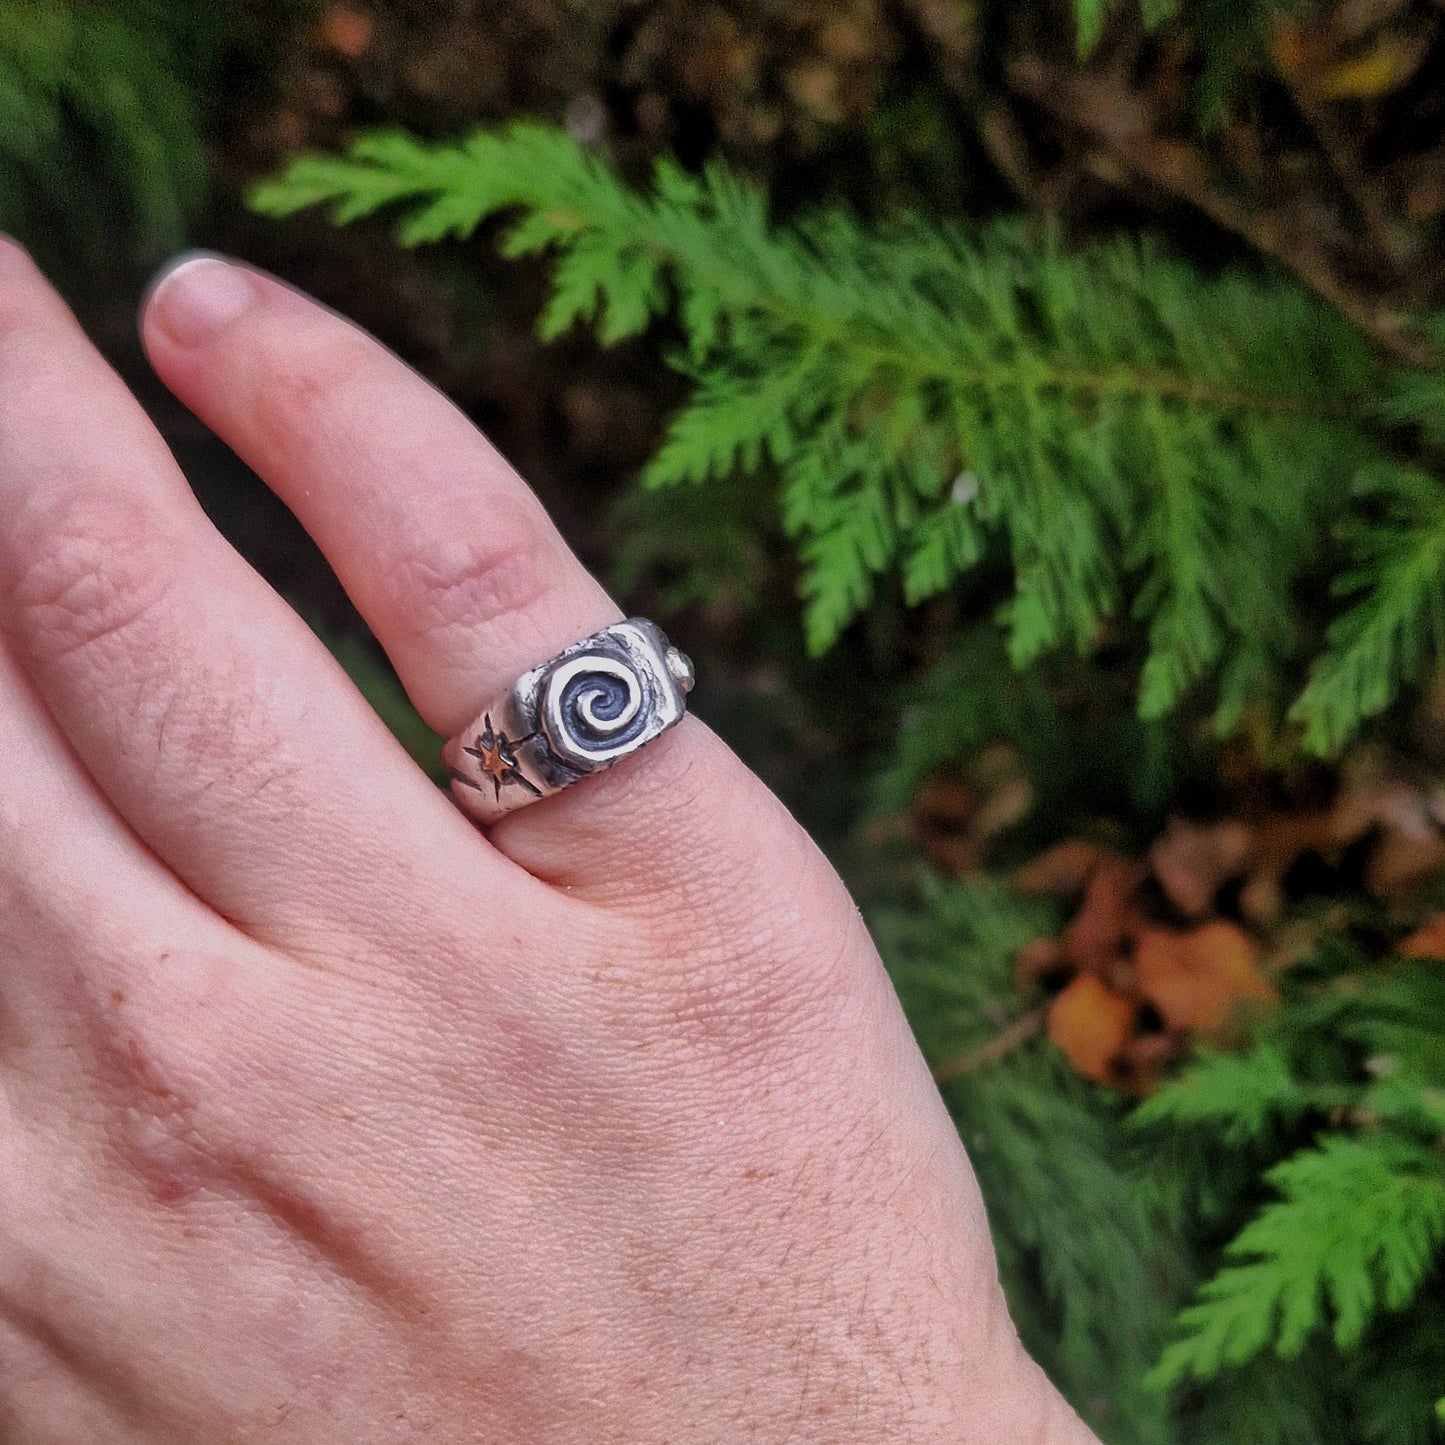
{"x": 593, "y": 709}
{"x": 592, "y": 705}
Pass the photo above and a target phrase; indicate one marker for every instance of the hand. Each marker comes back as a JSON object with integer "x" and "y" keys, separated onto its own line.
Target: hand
{"x": 328, "y": 1118}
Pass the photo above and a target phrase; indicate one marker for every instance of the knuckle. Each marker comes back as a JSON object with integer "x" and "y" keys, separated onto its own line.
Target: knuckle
{"x": 311, "y": 385}
{"x": 445, "y": 583}
{"x": 93, "y": 597}
{"x": 165, "y": 1042}
{"x": 214, "y": 739}
{"x": 88, "y": 570}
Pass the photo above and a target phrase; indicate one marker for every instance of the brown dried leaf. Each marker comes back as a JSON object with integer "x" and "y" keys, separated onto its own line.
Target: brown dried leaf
{"x": 1192, "y": 861}
{"x": 1091, "y": 1024}
{"x": 942, "y": 821}
{"x": 1403, "y": 860}
{"x": 816, "y": 87}
{"x": 346, "y": 30}
{"x": 1423, "y": 180}
{"x": 1280, "y": 840}
{"x": 1100, "y": 930}
{"x": 1036, "y": 961}
{"x": 1007, "y": 792}
{"x": 848, "y": 38}
{"x": 1261, "y": 900}
{"x": 1196, "y": 978}
{"x": 1142, "y": 1061}
{"x": 1426, "y": 942}
{"x": 956, "y": 815}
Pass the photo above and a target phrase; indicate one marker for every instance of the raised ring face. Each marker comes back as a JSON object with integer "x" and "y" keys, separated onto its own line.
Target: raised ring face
{"x": 594, "y": 709}
{"x": 605, "y": 697}
{"x": 587, "y": 708}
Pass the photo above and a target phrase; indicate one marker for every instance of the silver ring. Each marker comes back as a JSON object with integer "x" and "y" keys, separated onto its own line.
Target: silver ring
{"x": 592, "y": 705}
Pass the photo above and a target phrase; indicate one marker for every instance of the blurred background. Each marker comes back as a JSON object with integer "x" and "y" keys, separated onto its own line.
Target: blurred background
{"x": 1042, "y": 409}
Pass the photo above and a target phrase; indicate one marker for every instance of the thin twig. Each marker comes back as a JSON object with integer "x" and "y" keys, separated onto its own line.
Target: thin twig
{"x": 1180, "y": 169}
{"x": 1344, "y": 162}
{"x": 1004, "y": 1042}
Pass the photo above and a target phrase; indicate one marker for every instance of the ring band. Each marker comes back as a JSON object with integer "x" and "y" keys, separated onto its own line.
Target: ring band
{"x": 592, "y": 705}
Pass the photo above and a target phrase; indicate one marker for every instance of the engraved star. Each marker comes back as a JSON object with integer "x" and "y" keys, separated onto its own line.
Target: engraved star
{"x": 497, "y": 759}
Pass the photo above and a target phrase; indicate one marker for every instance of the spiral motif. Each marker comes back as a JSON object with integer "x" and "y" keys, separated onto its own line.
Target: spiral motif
{"x": 594, "y": 709}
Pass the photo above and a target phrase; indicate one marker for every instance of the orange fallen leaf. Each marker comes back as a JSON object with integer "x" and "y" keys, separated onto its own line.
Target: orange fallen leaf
{"x": 346, "y": 30}
{"x": 1196, "y": 978}
{"x": 1426, "y": 942}
{"x": 1091, "y": 1023}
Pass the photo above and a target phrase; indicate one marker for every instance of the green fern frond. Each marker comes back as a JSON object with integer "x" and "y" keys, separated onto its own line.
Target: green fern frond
{"x": 1398, "y": 622}
{"x": 1358, "y": 1228}
{"x": 1139, "y": 441}
{"x": 1359, "y": 1221}
{"x": 1417, "y": 398}
{"x": 1238, "y": 1096}
{"x": 946, "y": 542}
{"x": 1398, "y": 1018}
{"x": 1081, "y": 1246}
{"x": 1393, "y": 1381}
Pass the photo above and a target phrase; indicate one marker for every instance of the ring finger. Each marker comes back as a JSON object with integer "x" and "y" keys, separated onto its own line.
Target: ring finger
{"x": 455, "y": 565}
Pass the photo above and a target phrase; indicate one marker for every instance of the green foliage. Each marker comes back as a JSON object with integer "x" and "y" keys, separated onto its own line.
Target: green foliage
{"x": 1082, "y": 1246}
{"x": 1397, "y": 624}
{"x": 1356, "y": 1229}
{"x": 1138, "y": 445}
{"x": 1082, "y": 763}
{"x": 1090, "y": 15}
{"x": 1238, "y": 1096}
{"x": 1354, "y": 1075}
{"x": 100, "y": 130}
{"x": 1343, "y": 1088}
{"x": 1227, "y": 36}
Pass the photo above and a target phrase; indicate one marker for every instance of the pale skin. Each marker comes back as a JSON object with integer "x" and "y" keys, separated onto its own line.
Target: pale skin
{"x": 328, "y": 1117}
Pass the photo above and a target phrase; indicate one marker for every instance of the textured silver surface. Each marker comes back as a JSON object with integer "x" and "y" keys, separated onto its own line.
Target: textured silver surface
{"x": 590, "y": 706}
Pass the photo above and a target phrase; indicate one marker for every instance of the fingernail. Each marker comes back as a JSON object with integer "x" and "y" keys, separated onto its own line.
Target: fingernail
{"x": 195, "y": 295}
